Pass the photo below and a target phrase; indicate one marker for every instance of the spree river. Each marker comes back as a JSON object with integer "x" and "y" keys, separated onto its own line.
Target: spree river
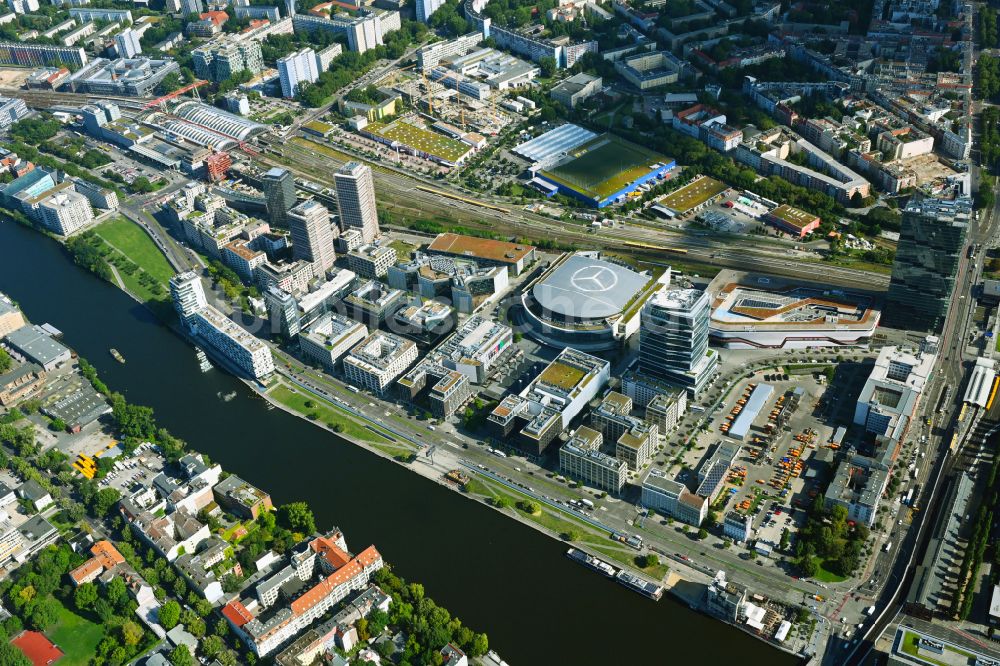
{"x": 497, "y": 575}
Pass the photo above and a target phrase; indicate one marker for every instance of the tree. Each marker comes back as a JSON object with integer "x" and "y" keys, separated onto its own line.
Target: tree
{"x": 12, "y": 656}
{"x": 85, "y": 596}
{"x": 702, "y": 534}
{"x": 45, "y": 613}
{"x": 181, "y": 656}
{"x": 212, "y": 646}
{"x": 809, "y": 567}
{"x": 170, "y": 614}
{"x": 480, "y": 646}
{"x": 547, "y": 66}
{"x": 131, "y": 632}
{"x": 5, "y": 361}
{"x": 104, "y": 501}
{"x": 298, "y": 517}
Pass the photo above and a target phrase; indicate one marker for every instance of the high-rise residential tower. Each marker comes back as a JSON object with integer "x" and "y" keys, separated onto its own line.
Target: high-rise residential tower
{"x": 312, "y": 237}
{"x": 356, "y": 198}
{"x": 931, "y": 242}
{"x": 673, "y": 338}
{"x": 425, "y": 8}
{"x": 187, "y": 294}
{"x": 127, "y": 43}
{"x": 279, "y": 192}
{"x": 295, "y": 69}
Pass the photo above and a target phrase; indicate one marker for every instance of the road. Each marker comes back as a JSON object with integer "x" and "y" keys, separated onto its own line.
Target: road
{"x": 949, "y": 371}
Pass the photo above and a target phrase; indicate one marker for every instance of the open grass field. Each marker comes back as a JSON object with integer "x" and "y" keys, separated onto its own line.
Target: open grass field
{"x": 324, "y": 413}
{"x": 693, "y": 194}
{"x": 604, "y": 165}
{"x": 432, "y": 143}
{"x": 824, "y": 575}
{"x": 132, "y": 241}
{"x": 77, "y": 637}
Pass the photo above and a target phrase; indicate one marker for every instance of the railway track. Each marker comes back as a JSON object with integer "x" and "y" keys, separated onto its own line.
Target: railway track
{"x": 411, "y": 195}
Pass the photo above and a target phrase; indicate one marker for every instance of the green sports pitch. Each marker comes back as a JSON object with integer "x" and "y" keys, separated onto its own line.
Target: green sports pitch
{"x": 604, "y": 166}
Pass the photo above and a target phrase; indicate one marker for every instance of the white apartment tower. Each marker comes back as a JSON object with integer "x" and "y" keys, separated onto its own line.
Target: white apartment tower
{"x": 187, "y": 294}
{"x": 356, "y": 198}
{"x": 65, "y": 212}
{"x": 295, "y": 69}
{"x": 127, "y": 43}
{"x": 427, "y": 7}
{"x": 312, "y": 236}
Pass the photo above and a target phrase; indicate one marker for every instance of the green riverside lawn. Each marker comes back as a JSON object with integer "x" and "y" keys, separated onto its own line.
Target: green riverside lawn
{"x": 126, "y": 237}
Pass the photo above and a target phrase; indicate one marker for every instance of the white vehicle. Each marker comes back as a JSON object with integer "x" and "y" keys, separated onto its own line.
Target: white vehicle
{"x": 870, "y": 611}
{"x": 431, "y": 428}
{"x": 887, "y": 547}
{"x": 499, "y": 454}
{"x": 587, "y": 504}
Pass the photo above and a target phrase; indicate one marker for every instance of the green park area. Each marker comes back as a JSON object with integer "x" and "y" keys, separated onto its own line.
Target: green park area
{"x": 136, "y": 259}
{"x": 133, "y": 242}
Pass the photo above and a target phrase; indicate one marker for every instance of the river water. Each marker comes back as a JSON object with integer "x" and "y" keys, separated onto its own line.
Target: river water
{"x": 497, "y": 575}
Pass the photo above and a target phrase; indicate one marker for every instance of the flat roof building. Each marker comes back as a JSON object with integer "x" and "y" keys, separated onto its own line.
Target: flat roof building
{"x": 581, "y": 458}
{"x": 330, "y": 337}
{"x": 241, "y": 348}
{"x": 551, "y": 401}
{"x": 930, "y": 250}
{"x": 892, "y": 392}
{"x": 485, "y": 251}
{"x": 858, "y": 485}
{"x": 673, "y": 339}
{"x": 11, "y": 318}
{"x": 378, "y": 360}
{"x": 36, "y": 345}
{"x": 673, "y": 499}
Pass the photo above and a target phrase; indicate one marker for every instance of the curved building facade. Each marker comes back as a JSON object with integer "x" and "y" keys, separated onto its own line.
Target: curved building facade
{"x": 585, "y": 302}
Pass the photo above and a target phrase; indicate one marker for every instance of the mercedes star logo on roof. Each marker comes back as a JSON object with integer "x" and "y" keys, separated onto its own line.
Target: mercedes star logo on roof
{"x": 594, "y": 278}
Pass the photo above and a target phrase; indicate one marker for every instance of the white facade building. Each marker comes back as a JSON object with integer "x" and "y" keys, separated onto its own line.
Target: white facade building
{"x": 312, "y": 235}
{"x": 891, "y": 395}
{"x": 187, "y": 294}
{"x": 356, "y": 198}
{"x": 425, "y": 8}
{"x": 295, "y": 69}
{"x": 244, "y": 350}
{"x": 127, "y": 43}
{"x": 65, "y": 212}
{"x": 330, "y": 337}
{"x": 378, "y": 360}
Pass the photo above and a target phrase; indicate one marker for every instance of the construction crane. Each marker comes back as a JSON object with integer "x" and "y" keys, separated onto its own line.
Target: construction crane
{"x": 176, "y": 93}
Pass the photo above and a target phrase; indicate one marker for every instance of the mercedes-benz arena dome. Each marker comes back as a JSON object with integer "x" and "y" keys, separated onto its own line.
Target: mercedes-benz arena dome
{"x": 579, "y": 302}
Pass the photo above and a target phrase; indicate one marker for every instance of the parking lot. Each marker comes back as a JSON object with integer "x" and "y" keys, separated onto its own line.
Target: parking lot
{"x": 140, "y": 469}
{"x": 783, "y": 454}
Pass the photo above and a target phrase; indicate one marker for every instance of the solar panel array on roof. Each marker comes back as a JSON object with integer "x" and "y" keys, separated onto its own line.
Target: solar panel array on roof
{"x": 554, "y": 143}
